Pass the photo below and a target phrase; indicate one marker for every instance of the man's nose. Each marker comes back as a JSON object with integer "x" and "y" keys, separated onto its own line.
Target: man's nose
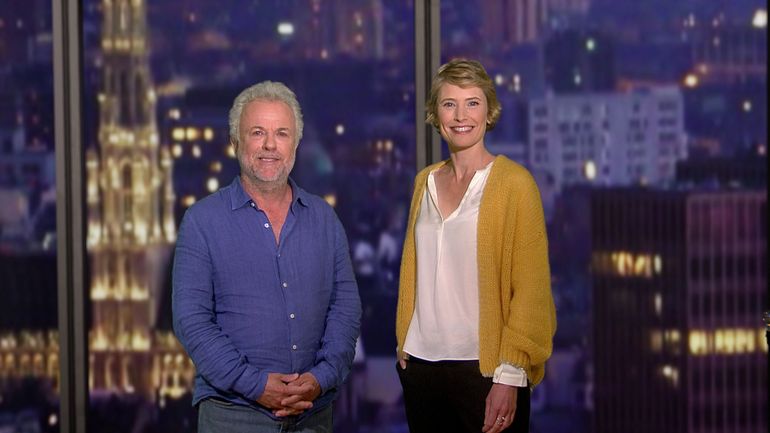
{"x": 270, "y": 142}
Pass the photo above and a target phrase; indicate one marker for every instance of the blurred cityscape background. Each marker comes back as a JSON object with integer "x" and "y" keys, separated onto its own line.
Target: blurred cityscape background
{"x": 644, "y": 122}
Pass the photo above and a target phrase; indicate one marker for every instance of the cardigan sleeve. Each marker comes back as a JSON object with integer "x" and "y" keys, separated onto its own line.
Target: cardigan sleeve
{"x": 407, "y": 283}
{"x": 527, "y": 337}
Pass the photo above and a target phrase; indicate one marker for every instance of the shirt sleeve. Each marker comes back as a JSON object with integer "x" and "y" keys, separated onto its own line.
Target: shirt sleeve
{"x": 215, "y": 357}
{"x": 343, "y": 319}
{"x": 507, "y": 374}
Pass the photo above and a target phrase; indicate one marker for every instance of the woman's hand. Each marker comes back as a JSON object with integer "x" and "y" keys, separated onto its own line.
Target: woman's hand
{"x": 501, "y": 408}
{"x": 402, "y": 357}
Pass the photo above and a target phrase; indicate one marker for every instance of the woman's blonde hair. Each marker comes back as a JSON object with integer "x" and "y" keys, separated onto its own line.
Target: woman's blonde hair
{"x": 463, "y": 73}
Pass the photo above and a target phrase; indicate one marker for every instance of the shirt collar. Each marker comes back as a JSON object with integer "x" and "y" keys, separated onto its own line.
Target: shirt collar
{"x": 239, "y": 198}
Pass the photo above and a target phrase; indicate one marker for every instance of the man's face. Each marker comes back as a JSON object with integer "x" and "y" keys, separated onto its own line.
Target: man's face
{"x": 267, "y": 147}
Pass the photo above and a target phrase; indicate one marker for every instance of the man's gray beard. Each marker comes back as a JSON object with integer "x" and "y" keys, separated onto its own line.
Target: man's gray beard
{"x": 283, "y": 177}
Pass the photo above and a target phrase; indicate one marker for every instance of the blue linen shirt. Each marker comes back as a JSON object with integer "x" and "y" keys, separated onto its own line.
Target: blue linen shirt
{"x": 245, "y": 306}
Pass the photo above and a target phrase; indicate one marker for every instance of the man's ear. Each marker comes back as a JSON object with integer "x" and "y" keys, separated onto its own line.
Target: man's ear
{"x": 234, "y": 143}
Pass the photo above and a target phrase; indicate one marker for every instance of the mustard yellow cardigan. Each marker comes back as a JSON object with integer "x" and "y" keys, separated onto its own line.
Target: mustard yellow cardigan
{"x": 517, "y": 318}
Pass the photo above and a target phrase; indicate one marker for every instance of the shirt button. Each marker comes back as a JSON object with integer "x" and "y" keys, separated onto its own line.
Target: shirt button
{"x": 252, "y": 204}
{"x": 294, "y": 347}
{"x": 292, "y": 315}
{"x": 285, "y": 285}
{"x": 267, "y": 225}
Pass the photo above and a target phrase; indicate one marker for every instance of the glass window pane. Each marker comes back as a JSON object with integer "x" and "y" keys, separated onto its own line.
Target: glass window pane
{"x": 29, "y": 346}
{"x": 160, "y": 80}
{"x": 602, "y": 113}
{"x": 509, "y": 37}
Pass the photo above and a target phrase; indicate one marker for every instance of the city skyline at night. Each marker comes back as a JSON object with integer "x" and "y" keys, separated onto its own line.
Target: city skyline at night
{"x": 655, "y": 101}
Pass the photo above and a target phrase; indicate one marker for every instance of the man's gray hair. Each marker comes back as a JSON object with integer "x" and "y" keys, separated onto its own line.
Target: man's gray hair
{"x": 265, "y": 91}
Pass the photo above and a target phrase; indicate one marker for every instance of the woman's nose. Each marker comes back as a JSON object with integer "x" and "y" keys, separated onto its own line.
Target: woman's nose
{"x": 459, "y": 113}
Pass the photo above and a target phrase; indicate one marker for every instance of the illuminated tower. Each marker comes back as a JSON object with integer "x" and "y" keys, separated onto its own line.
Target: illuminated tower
{"x": 131, "y": 224}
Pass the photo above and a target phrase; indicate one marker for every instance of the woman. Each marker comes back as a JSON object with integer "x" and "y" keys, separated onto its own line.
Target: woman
{"x": 475, "y": 313}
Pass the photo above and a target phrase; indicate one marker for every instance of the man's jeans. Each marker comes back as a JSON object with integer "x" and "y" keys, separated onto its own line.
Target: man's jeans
{"x": 217, "y": 416}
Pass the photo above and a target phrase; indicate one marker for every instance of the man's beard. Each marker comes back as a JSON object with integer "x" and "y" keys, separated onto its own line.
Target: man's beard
{"x": 251, "y": 171}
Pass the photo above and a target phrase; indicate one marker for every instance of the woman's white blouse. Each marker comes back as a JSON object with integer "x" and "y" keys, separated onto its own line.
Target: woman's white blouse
{"x": 445, "y": 324}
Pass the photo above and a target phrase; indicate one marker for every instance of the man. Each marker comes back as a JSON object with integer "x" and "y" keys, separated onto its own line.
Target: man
{"x": 265, "y": 300}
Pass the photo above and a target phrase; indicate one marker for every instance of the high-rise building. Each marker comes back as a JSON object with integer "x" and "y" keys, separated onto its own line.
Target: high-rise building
{"x": 20, "y": 28}
{"x": 131, "y": 226}
{"x": 680, "y": 283}
{"x": 607, "y": 139}
{"x": 332, "y": 28}
{"x": 742, "y": 171}
{"x": 506, "y": 23}
{"x": 729, "y": 54}
{"x": 579, "y": 62}
{"x": 569, "y": 6}
{"x": 204, "y": 159}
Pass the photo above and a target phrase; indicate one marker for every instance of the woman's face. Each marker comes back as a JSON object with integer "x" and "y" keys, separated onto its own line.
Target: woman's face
{"x": 462, "y": 115}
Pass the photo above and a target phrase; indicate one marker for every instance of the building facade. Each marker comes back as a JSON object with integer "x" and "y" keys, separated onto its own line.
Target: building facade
{"x": 569, "y": 6}
{"x": 607, "y": 139}
{"x": 507, "y": 23}
{"x": 730, "y": 54}
{"x": 680, "y": 283}
{"x": 580, "y": 62}
{"x": 357, "y": 31}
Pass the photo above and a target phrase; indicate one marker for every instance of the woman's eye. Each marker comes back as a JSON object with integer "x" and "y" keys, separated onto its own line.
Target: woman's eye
{"x": 449, "y": 104}
{"x": 473, "y": 104}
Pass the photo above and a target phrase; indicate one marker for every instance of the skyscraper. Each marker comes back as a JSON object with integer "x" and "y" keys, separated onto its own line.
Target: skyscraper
{"x": 679, "y": 289}
{"x": 580, "y": 62}
{"x": 730, "y": 54}
{"x": 569, "y": 6}
{"x": 19, "y": 26}
{"x": 506, "y": 23}
{"x": 331, "y": 28}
